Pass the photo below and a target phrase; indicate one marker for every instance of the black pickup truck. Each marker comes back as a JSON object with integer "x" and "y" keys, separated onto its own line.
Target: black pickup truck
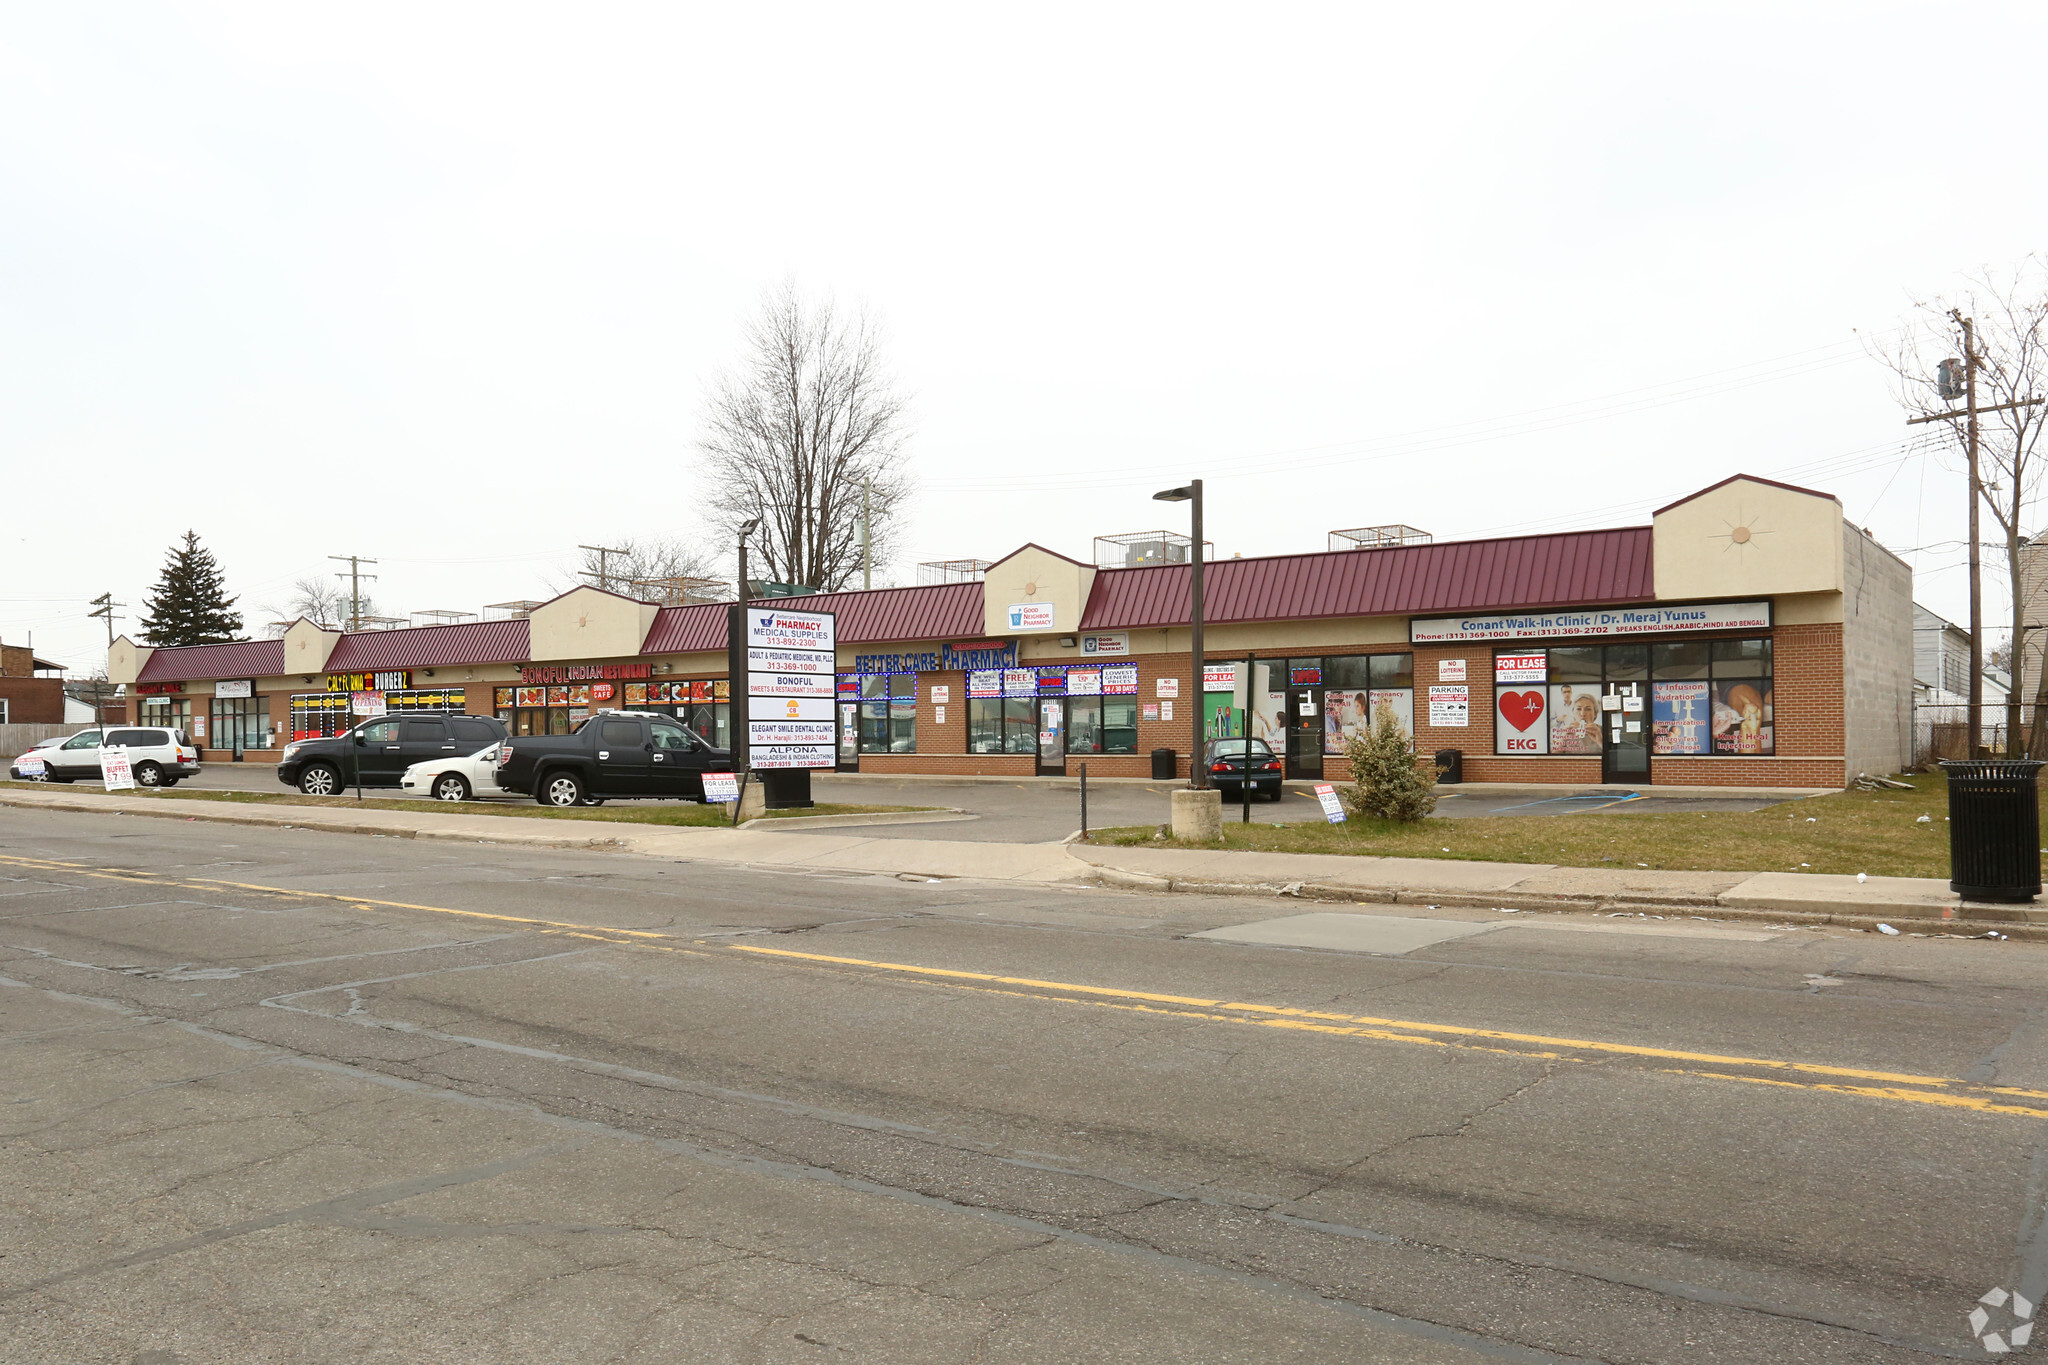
{"x": 636, "y": 754}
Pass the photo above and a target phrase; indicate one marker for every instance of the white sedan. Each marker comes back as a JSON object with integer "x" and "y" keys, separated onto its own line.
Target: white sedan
{"x": 454, "y": 779}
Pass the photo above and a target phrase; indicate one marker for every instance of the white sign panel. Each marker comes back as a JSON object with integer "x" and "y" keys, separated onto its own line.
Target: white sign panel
{"x": 1166, "y": 710}
{"x": 1031, "y": 616}
{"x": 941, "y": 693}
{"x": 807, "y": 630}
{"x": 1166, "y": 687}
{"x": 789, "y": 708}
{"x": 1106, "y": 645}
{"x": 359, "y": 703}
{"x": 761, "y": 732}
{"x": 1450, "y": 670}
{"x": 796, "y": 756}
{"x": 791, "y": 685}
{"x": 790, "y": 661}
{"x": 1521, "y": 668}
{"x": 721, "y": 787}
{"x": 1333, "y": 806}
{"x": 235, "y": 687}
{"x": 1219, "y": 677}
{"x": 29, "y": 767}
{"x": 1592, "y": 621}
{"x": 1450, "y": 706}
{"x": 114, "y": 768}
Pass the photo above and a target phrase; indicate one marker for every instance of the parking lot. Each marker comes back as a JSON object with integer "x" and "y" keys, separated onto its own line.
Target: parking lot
{"x": 1038, "y": 810}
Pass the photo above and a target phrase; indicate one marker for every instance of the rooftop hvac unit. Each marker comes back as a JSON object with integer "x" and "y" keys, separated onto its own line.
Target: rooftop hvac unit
{"x": 936, "y": 571}
{"x": 516, "y": 610}
{"x": 1137, "y": 549}
{"x": 1378, "y": 537}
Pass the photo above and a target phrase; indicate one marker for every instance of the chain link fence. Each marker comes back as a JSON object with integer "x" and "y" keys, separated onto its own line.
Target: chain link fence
{"x": 1943, "y": 730}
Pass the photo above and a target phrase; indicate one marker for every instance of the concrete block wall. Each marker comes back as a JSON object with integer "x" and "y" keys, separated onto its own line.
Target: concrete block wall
{"x": 1877, "y": 657}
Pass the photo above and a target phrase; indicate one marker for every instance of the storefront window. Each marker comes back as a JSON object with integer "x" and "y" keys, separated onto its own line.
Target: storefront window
{"x": 175, "y": 712}
{"x": 1357, "y": 690}
{"x": 888, "y": 713}
{"x": 1706, "y": 697}
{"x": 239, "y": 722}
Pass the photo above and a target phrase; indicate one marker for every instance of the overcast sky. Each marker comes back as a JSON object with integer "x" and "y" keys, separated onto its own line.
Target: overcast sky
{"x": 443, "y": 285}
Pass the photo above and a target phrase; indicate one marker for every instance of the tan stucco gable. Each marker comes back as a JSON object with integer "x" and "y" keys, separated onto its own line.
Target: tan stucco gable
{"x": 589, "y": 623}
{"x": 1035, "y": 576}
{"x": 307, "y": 647}
{"x": 1748, "y": 537}
{"x": 125, "y": 660}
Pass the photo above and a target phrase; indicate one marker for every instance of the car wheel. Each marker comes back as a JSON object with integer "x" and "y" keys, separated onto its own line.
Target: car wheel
{"x": 561, "y": 790}
{"x": 593, "y": 800}
{"x": 170, "y": 782}
{"x": 148, "y": 775}
{"x": 319, "y": 780}
{"x": 1273, "y": 793}
{"x": 451, "y": 787}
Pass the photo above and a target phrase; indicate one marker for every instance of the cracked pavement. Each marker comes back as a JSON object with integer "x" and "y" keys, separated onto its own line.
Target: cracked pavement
{"x": 327, "y": 1121}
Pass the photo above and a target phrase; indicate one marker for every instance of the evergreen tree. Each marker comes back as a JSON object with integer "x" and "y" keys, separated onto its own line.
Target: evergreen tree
{"x": 191, "y": 605}
{"x": 1386, "y": 782}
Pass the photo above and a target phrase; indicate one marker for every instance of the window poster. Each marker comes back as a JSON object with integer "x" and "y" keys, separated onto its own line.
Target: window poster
{"x": 1347, "y": 715}
{"x": 1742, "y": 716}
{"x": 1575, "y": 718}
{"x": 1120, "y": 680}
{"x": 1520, "y": 724}
{"x": 558, "y": 696}
{"x": 579, "y": 695}
{"x": 1678, "y": 718}
{"x": 1020, "y": 682}
{"x": 636, "y": 694}
{"x": 533, "y": 696}
{"x": 1269, "y": 709}
{"x": 985, "y": 682}
{"x": 1398, "y": 702}
{"x": 1081, "y": 682}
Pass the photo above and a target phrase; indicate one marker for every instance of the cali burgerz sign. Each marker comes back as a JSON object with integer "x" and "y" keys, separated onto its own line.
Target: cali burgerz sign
{"x": 1553, "y": 625}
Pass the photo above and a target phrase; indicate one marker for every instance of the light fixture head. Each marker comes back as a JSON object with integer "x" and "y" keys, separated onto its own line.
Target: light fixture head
{"x": 748, "y": 528}
{"x": 1174, "y": 494}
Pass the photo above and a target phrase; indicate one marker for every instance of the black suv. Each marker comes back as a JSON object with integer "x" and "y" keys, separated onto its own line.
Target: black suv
{"x": 390, "y": 745}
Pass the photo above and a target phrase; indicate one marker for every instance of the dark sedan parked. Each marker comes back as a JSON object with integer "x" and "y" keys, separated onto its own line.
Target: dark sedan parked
{"x": 390, "y": 745}
{"x": 1234, "y": 762}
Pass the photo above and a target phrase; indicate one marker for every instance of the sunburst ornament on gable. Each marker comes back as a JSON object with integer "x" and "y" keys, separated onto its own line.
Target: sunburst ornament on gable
{"x": 1742, "y": 532}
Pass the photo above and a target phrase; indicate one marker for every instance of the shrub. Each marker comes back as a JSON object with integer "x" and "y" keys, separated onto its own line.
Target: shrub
{"x": 1386, "y": 783}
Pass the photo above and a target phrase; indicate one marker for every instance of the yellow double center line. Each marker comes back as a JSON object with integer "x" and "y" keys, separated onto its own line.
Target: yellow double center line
{"x": 1905, "y": 1087}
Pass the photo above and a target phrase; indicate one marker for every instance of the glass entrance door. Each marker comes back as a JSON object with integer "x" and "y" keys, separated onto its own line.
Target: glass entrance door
{"x": 849, "y": 737}
{"x": 1624, "y": 719}
{"x": 1052, "y": 736}
{"x": 1304, "y": 732}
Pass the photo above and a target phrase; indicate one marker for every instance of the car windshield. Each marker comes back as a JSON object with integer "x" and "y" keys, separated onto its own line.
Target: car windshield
{"x": 488, "y": 751}
{"x": 1229, "y": 748}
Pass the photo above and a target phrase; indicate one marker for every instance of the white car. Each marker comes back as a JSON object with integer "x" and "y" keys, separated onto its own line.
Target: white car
{"x": 159, "y": 756}
{"x": 37, "y": 753}
{"x": 453, "y": 778}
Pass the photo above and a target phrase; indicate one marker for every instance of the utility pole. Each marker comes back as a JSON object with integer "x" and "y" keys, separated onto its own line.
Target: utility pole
{"x": 355, "y": 577}
{"x": 1970, "y": 411}
{"x": 867, "y": 567}
{"x": 603, "y": 553}
{"x": 103, "y": 606}
{"x": 1198, "y": 771}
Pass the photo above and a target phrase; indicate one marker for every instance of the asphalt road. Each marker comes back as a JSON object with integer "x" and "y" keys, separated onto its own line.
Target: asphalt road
{"x": 1042, "y": 812}
{"x": 282, "y": 1095}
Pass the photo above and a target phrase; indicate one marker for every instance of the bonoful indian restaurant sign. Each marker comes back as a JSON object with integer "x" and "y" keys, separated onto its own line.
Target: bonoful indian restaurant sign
{"x": 1592, "y": 621}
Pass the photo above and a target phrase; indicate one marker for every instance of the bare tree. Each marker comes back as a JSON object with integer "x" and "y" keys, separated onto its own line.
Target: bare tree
{"x": 318, "y": 600}
{"x": 804, "y": 433}
{"x": 663, "y": 569}
{"x": 2010, "y": 314}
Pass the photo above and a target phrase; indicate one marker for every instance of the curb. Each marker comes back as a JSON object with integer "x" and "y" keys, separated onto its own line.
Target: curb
{"x": 2009, "y": 921}
{"x": 947, "y": 816}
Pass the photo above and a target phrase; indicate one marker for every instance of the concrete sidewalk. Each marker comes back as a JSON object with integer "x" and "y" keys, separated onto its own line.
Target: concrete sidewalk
{"x": 1910, "y": 904}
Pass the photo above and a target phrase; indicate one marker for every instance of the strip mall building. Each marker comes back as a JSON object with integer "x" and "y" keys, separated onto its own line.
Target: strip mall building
{"x": 1749, "y": 636}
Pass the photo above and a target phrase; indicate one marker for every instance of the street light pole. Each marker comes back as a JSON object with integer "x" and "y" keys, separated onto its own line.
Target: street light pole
{"x": 1198, "y": 773}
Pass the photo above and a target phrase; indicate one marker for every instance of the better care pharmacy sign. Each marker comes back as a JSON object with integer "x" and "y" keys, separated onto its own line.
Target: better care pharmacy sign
{"x": 1591, "y": 621}
{"x": 791, "y": 664}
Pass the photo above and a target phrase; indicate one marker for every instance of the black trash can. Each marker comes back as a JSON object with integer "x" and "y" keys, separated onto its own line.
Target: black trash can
{"x": 1450, "y": 766}
{"x": 1994, "y": 828}
{"x": 1162, "y": 764}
